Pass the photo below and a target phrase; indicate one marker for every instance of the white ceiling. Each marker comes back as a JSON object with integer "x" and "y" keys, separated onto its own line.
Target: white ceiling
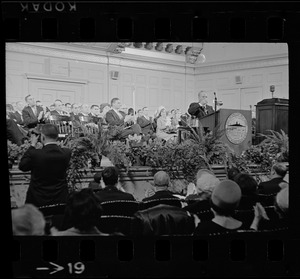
{"x": 214, "y": 52}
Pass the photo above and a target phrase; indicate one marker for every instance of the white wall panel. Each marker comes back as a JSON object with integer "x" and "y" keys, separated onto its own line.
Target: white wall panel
{"x": 166, "y": 82}
{"x": 34, "y": 67}
{"x": 230, "y": 98}
{"x": 153, "y": 81}
{"x": 250, "y": 96}
{"x": 14, "y": 65}
{"x": 127, "y": 77}
{"x": 141, "y": 79}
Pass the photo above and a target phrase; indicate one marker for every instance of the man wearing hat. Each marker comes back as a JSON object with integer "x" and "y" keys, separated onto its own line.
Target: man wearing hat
{"x": 161, "y": 184}
{"x": 225, "y": 199}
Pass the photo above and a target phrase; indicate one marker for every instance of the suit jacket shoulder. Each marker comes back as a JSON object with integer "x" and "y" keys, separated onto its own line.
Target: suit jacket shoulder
{"x": 113, "y": 119}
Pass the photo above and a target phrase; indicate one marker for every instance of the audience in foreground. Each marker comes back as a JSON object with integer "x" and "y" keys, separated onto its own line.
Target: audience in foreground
{"x": 225, "y": 199}
{"x": 96, "y": 183}
{"x": 205, "y": 183}
{"x": 232, "y": 172}
{"x": 110, "y": 176}
{"x": 161, "y": 185}
{"x": 27, "y": 220}
{"x": 272, "y": 186}
{"x": 84, "y": 211}
{"x": 281, "y": 205}
{"x": 248, "y": 187}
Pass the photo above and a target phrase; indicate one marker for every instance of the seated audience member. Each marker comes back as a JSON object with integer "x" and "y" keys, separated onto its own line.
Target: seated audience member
{"x": 145, "y": 122}
{"x": 115, "y": 117}
{"x": 225, "y": 199}
{"x": 174, "y": 119}
{"x": 263, "y": 222}
{"x": 96, "y": 183}
{"x": 83, "y": 211}
{"x": 161, "y": 185}
{"x": 104, "y": 108}
{"x": 27, "y": 220}
{"x": 95, "y": 114}
{"x": 248, "y": 187}
{"x": 85, "y": 109}
{"x": 198, "y": 203}
{"x": 74, "y": 114}
{"x": 13, "y": 132}
{"x": 67, "y": 109}
{"x": 59, "y": 108}
{"x": 10, "y": 111}
{"x": 33, "y": 114}
{"x": 162, "y": 127}
{"x": 130, "y": 118}
{"x": 111, "y": 191}
{"x": 205, "y": 184}
{"x": 232, "y": 172}
{"x": 278, "y": 173}
{"x": 17, "y": 116}
{"x": 51, "y": 107}
{"x": 162, "y": 220}
{"x": 48, "y": 166}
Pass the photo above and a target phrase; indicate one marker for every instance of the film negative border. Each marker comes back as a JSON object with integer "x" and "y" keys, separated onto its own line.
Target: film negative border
{"x": 152, "y": 21}
{"x": 149, "y": 21}
{"x": 219, "y": 255}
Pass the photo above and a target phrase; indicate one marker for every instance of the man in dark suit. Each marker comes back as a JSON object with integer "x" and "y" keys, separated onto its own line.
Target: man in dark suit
{"x": 33, "y": 114}
{"x": 115, "y": 117}
{"x": 145, "y": 121}
{"x": 110, "y": 176}
{"x": 48, "y": 166}
{"x": 13, "y": 133}
{"x": 74, "y": 113}
{"x": 17, "y": 115}
{"x": 201, "y": 108}
{"x": 59, "y": 108}
{"x": 161, "y": 183}
{"x": 95, "y": 114}
{"x": 272, "y": 186}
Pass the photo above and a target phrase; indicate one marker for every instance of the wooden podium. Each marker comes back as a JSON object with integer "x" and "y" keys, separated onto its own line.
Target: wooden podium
{"x": 237, "y": 126}
{"x": 272, "y": 114}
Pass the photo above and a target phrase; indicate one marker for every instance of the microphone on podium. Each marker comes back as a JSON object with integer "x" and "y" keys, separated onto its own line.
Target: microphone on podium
{"x": 216, "y": 102}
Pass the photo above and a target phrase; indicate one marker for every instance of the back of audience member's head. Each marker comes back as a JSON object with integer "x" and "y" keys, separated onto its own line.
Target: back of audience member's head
{"x": 206, "y": 183}
{"x": 202, "y": 171}
{"x": 280, "y": 169}
{"x": 282, "y": 201}
{"x": 232, "y": 172}
{"x": 84, "y": 209}
{"x": 110, "y": 176}
{"x": 247, "y": 184}
{"x": 28, "y": 220}
{"x": 225, "y": 198}
{"x": 161, "y": 179}
{"x": 97, "y": 177}
{"x": 50, "y": 131}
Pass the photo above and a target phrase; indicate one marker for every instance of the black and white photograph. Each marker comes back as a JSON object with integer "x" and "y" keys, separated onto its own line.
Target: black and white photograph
{"x": 147, "y": 139}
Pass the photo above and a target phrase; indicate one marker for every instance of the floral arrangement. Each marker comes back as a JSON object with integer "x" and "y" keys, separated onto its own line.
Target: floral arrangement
{"x": 274, "y": 148}
{"x": 15, "y": 152}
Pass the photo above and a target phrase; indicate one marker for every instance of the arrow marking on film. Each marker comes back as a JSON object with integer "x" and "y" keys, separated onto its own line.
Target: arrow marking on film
{"x": 57, "y": 268}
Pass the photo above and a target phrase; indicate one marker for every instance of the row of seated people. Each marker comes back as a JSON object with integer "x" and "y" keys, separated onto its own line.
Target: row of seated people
{"x": 220, "y": 201}
{"x": 34, "y": 113}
